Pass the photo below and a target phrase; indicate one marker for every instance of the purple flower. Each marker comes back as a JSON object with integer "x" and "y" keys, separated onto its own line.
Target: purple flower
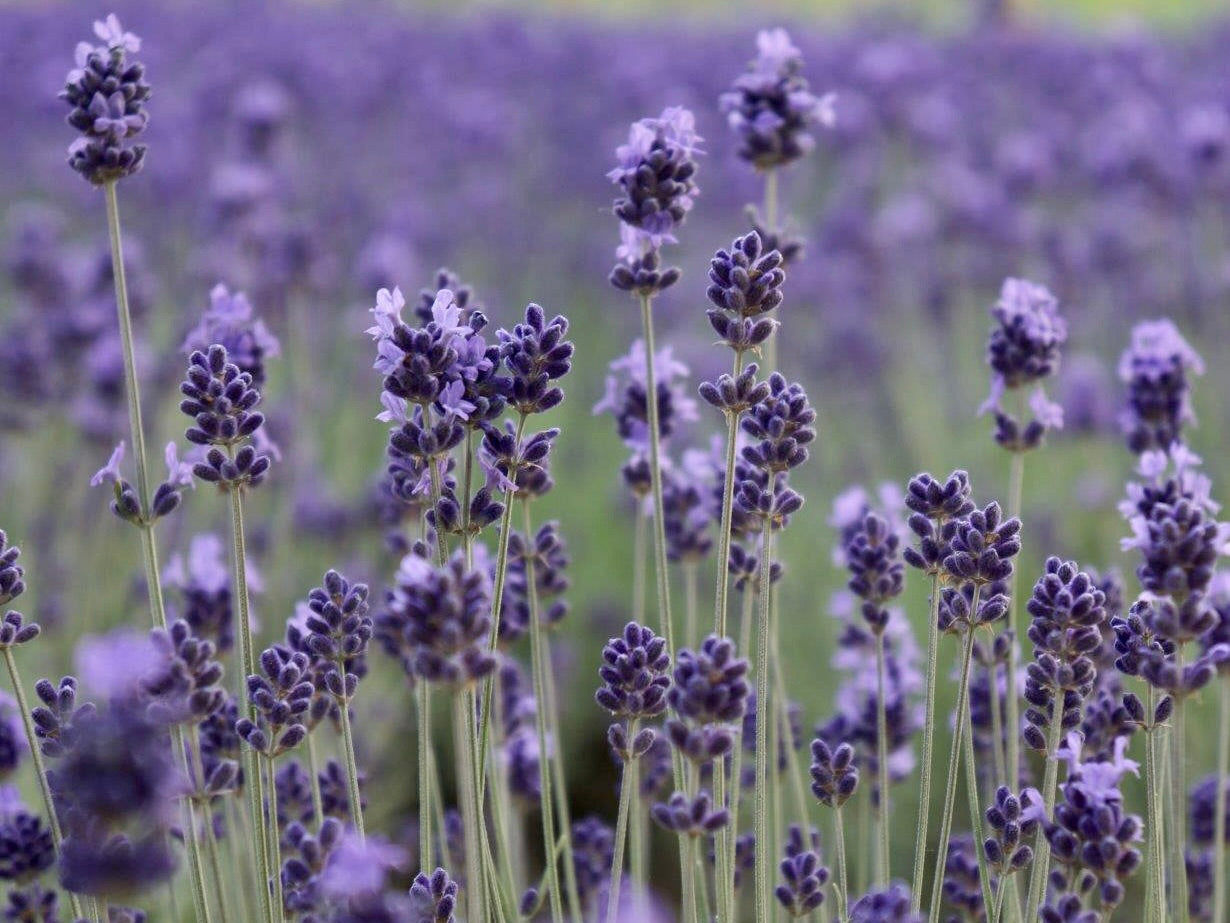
{"x": 1155, "y": 369}
{"x": 228, "y": 321}
{"x": 115, "y": 665}
{"x": 110, "y": 472}
{"x": 655, "y": 171}
{"x": 626, "y": 398}
{"x": 358, "y": 867}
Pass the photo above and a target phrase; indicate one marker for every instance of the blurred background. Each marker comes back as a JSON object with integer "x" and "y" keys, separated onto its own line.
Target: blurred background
{"x": 310, "y": 153}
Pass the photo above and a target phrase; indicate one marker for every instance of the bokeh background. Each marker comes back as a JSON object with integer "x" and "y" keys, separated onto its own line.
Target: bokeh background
{"x": 309, "y": 153}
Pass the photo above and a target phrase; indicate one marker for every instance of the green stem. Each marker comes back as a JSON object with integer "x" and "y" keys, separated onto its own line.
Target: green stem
{"x": 770, "y": 223}
{"x": 928, "y": 748}
{"x": 728, "y": 497}
{"x": 352, "y": 768}
{"x": 975, "y": 808}
{"x": 689, "y": 610}
{"x": 275, "y": 842}
{"x": 211, "y": 838}
{"x": 639, "y": 542}
{"x": 1015, "y": 493}
{"x": 843, "y": 911}
{"x": 192, "y": 834}
{"x": 563, "y": 816}
{"x": 1178, "y": 799}
{"x": 318, "y": 803}
{"x": 883, "y": 852}
{"x": 998, "y": 913}
{"x": 723, "y": 846}
{"x": 40, "y": 768}
{"x": 539, "y": 667}
{"x": 1155, "y": 886}
{"x": 424, "y": 753}
{"x": 133, "y": 392}
{"x": 998, "y": 759}
{"x": 950, "y": 787}
{"x": 655, "y": 472}
{"x": 256, "y": 787}
{"x": 764, "y": 716}
{"x": 628, "y": 792}
{"x": 688, "y": 880}
{"x": 1042, "y": 848}
{"x": 1219, "y": 810}
{"x": 463, "y": 717}
{"x": 241, "y": 871}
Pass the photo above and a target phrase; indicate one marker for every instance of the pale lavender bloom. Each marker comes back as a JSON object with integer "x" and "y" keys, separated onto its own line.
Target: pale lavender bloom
{"x": 1160, "y": 338}
{"x": 446, "y": 314}
{"x": 625, "y": 395}
{"x": 1156, "y": 467}
{"x": 205, "y": 567}
{"x": 113, "y": 665}
{"x": 387, "y": 314}
{"x": 111, "y": 117}
{"x": 395, "y": 408}
{"x": 179, "y": 473}
{"x": 357, "y": 868}
{"x": 452, "y": 399}
{"x": 112, "y": 35}
{"x": 110, "y": 472}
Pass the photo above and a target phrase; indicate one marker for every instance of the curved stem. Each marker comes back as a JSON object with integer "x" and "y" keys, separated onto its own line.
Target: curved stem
{"x": 1042, "y": 849}
{"x": 954, "y": 759}
{"x": 1219, "y": 810}
{"x": 628, "y": 790}
{"x": 764, "y": 715}
{"x": 928, "y": 748}
{"x": 883, "y": 842}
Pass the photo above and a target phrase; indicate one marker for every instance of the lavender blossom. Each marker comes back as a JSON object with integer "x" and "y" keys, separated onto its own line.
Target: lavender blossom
{"x": 693, "y": 817}
{"x": 1023, "y": 351}
{"x": 220, "y": 399}
{"x": 229, "y": 321}
{"x": 626, "y": 397}
{"x": 890, "y": 905}
{"x": 1155, "y": 369}
{"x": 771, "y": 109}
{"x": 107, "y": 94}
{"x": 654, "y": 172}
{"x": 280, "y": 699}
{"x": 709, "y": 693}
{"x": 803, "y": 877}
{"x": 834, "y": 774}
{"x": 745, "y": 285}
{"x": 26, "y": 846}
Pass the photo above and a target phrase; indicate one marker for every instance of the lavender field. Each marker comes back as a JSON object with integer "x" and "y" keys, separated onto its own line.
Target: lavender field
{"x": 429, "y": 442}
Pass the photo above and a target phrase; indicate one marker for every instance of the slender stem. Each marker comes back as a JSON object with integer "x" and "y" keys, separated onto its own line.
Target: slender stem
{"x": 843, "y": 911}
{"x": 275, "y": 841}
{"x": 192, "y": 835}
{"x": 497, "y": 605}
{"x": 133, "y": 391}
{"x": 1013, "y": 754}
{"x": 728, "y": 499}
{"x": 1178, "y": 799}
{"x": 975, "y": 808}
{"x": 628, "y": 791}
{"x": 1219, "y": 810}
{"x": 690, "y": 593}
{"x": 539, "y": 667}
{"x": 950, "y": 787}
{"x": 723, "y": 846}
{"x": 655, "y": 472}
{"x": 862, "y": 845}
{"x": 640, "y": 542}
{"x": 885, "y": 823}
{"x": 318, "y": 803}
{"x": 928, "y": 747}
{"x": 256, "y": 787}
{"x": 998, "y": 760}
{"x": 424, "y": 755}
{"x": 40, "y": 768}
{"x": 770, "y": 222}
{"x": 1155, "y": 887}
{"x": 794, "y": 768}
{"x": 763, "y": 717}
{"x": 352, "y": 769}
{"x": 688, "y": 880}
{"x": 563, "y": 816}
{"x": 1042, "y": 849}
{"x": 241, "y": 871}
{"x": 211, "y": 839}
{"x": 475, "y": 878}
{"x": 998, "y": 912}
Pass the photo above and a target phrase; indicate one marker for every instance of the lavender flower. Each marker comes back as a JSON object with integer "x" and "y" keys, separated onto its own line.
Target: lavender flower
{"x": 26, "y": 847}
{"x": 692, "y": 817}
{"x": 654, "y": 172}
{"x": 536, "y": 354}
{"x": 204, "y": 583}
{"x": 982, "y": 547}
{"x": 634, "y": 686}
{"x": 1003, "y": 847}
{"x": 745, "y": 284}
{"x": 13, "y": 745}
{"x": 871, "y": 552}
{"x": 962, "y": 881}
{"x": 1202, "y": 811}
{"x": 1068, "y": 612}
{"x": 1155, "y": 369}
{"x": 167, "y": 496}
{"x": 280, "y": 698}
{"x": 339, "y": 630}
{"x": 890, "y": 905}
{"x": 709, "y": 693}
{"x": 1022, "y": 352}
{"x": 438, "y": 620}
{"x": 1092, "y": 834}
{"x": 220, "y": 399}
{"x": 626, "y": 398}
{"x": 803, "y": 877}
{"x": 771, "y": 109}
{"x": 107, "y": 94}
{"x": 228, "y": 321}
{"x": 834, "y": 775}
{"x": 301, "y": 870}
{"x": 185, "y": 686}
{"x": 593, "y": 844}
